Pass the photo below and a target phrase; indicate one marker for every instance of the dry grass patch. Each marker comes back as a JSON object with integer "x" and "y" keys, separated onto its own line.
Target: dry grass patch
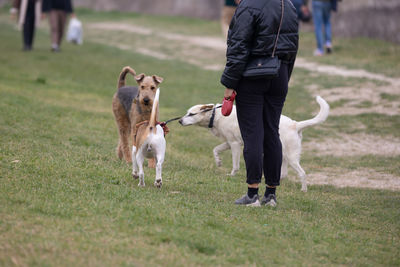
{"x": 361, "y": 98}
{"x": 355, "y": 145}
{"x": 361, "y": 177}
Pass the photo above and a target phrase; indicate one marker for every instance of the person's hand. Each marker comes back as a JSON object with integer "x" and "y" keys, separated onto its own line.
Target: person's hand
{"x": 305, "y": 11}
{"x": 228, "y": 92}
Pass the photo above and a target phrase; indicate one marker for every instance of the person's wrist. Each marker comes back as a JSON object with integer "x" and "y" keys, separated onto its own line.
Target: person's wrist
{"x": 228, "y": 92}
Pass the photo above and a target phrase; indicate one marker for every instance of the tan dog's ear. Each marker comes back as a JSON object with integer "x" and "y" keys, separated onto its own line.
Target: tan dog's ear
{"x": 139, "y": 78}
{"x": 209, "y": 106}
{"x": 158, "y": 79}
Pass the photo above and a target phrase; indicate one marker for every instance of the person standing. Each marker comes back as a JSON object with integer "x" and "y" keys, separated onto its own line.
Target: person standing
{"x": 57, "y": 11}
{"x": 226, "y": 15}
{"x": 259, "y": 102}
{"x": 322, "y": 25}
{"x": 28, "y": 18}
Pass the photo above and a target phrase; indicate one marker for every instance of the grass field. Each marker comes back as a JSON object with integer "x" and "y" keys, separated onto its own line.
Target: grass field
{"x": 65, "y": 198}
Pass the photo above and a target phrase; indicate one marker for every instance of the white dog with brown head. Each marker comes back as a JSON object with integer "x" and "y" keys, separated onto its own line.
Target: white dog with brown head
{"x": 150, "y": 143}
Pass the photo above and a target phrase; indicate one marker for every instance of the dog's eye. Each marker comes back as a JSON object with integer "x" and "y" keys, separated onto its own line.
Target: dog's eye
{"x": 152, "y": 88}
{"x": 191, "y": 114}
{"x": 142, "y": 86}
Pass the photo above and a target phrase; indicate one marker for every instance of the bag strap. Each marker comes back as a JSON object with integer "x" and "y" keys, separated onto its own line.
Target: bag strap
{"x": 279, "y": 29}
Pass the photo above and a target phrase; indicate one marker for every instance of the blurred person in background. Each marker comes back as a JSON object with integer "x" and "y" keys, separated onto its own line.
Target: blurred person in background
{"x": 303, "y": 13}
{"x": 57, "y": 11}
{"x": 322, "y": 24}
{"x": 29, "y": 13}
{"x": 228, "y": 10}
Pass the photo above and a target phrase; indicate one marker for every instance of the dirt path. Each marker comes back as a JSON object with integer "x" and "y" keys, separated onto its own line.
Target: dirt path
{"x": 220, "y": 45}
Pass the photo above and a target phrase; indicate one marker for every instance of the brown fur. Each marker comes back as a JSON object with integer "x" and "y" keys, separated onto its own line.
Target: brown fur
{"x": 143, "y": 129}
{"x": 140, "y": 110}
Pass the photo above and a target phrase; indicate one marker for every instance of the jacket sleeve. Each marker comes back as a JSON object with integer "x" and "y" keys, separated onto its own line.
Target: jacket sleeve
{"x": 239, "y": 45}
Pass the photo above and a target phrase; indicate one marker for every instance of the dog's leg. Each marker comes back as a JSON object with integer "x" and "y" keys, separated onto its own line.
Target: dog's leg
{"x": 236, "y": 149}
{"x": 302, "y": 174}
{"x": 120, "y": 152}
{"x": 135, "y": 174}
{"x": 139, "y": 161}
{"x": 124, "y": 129}
{"x": 218, "y": 149}
{"x": 158, "y": 181}
{"x": 123, "y": 146}
{"x": 284, "y": 169}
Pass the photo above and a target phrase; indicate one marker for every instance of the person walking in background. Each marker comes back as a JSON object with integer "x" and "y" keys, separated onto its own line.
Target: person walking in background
{"x": 57, "y": 11}
{"x": 303, "y": 13}
{"x": 322, "y": 25}
{"x": 28, "y": 18}
{"x": 259, "y": 101}
{"x": 226, "y": 15}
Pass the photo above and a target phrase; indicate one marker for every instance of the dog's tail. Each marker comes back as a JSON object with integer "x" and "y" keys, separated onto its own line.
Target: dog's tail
{"x": 321, "y": 116}
{"x": 154, "y": 111}
{"x": 125, "y": 70}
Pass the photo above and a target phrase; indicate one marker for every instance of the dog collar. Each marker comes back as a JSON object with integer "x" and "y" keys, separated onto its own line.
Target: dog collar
{"x": 211, "y": 122}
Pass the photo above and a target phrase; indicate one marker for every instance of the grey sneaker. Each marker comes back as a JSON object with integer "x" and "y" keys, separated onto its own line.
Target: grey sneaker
{"x": 270, "y": 200}
{"x": 251, "y": 202}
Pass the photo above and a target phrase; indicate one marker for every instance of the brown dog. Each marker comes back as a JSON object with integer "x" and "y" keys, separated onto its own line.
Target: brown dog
{"x": 132, "y": 105}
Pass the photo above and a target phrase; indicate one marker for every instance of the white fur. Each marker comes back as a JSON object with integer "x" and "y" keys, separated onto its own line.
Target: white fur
{"x": 227, "y": 128}
{"x": 153, "y": 147}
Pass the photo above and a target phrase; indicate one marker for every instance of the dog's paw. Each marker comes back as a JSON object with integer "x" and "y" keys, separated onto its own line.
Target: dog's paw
{"x": 158, "y": 183}
{"x": 304, "y": 188}
{"x": 135, "y": 175}
{"x": 233, "y": 173}
{"x": 218, "y": 163}
{"x": 141, "y": 184}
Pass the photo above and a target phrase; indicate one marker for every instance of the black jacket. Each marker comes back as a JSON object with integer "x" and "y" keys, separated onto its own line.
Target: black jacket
{"x": 253, "y": 31}
{"x": 64, "y": 5}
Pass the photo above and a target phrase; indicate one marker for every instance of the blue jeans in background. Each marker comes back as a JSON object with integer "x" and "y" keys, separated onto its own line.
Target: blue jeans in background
{"x": 322, "y": 15}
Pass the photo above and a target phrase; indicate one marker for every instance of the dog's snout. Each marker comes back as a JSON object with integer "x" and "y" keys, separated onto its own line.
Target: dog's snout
{"x": 180, "y": 121}
{"x": 146, "y": 100}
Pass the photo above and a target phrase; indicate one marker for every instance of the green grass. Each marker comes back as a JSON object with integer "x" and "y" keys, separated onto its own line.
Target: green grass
{"x": 390, "y": 97}
{"x": 66, "y": 200}
{"x": 182, "y": 25}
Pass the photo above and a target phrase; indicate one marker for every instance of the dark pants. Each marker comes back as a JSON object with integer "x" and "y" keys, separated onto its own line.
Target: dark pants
{"x": 29, "y": 25}
{"x": 259, "y": 106}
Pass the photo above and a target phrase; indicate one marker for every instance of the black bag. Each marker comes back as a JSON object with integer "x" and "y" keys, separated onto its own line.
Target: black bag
{"x": 264, "y": 66}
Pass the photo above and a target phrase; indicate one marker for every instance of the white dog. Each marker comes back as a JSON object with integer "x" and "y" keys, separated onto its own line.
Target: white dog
{"x": 150, "y": 143}
{"x": 227, "y": 128}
